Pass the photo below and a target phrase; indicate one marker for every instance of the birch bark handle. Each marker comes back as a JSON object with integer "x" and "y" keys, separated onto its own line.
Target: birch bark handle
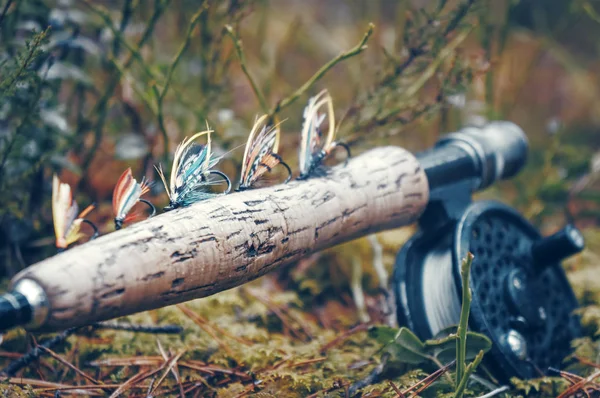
{"x": 220, "y": 243}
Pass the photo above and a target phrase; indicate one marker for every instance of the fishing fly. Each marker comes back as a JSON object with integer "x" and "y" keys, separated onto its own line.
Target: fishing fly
{"x": 126, "y": 194}
{"x": 260, "y": 155}
{"x": 191, "y": 173}
{"x": 314, "y": 148}
{"x": 67, "y": 224}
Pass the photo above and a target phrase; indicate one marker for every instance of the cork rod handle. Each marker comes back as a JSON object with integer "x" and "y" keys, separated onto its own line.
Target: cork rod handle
{"x": 224, "y": 242}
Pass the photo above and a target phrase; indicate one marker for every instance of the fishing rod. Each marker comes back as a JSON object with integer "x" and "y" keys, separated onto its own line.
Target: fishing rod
{"x": 214, "y": 245}
{"x": 217, "y": 244}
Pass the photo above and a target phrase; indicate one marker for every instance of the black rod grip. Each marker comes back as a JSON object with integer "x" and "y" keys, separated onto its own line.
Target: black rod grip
{"x": 485, "y": 154}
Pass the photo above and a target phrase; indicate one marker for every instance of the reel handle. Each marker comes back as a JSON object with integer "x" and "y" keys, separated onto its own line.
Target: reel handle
{"x": 557, "y": 247}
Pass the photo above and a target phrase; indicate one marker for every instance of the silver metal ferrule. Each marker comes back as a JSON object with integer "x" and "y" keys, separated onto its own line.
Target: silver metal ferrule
{"x": 37, "y": 299}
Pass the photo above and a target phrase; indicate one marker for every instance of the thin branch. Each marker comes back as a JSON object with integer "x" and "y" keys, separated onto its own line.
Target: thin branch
{"x": 399, "y": 393}
{"x": 359, "y": 328}
{"x": 128, "y": 327}
{"x": 372, "y": 378}
{"x": 101, "y": 106}
{"x": 428, "y": 381}
{"x": 240, "y": 52}
{"x": 460, "y": 389}
{"x": 186, "y": 42}
{"x": 5, "y": 10}
{"x": 126, "y": 12}
{"x": 198, "y": 321}
{"x": 431, "y": 69}
{"x": 461, "y": 342}
{"x": 161, "y": 95}
{"x": 360, "y": 47}
{"x": 34, "y": 354}
{"x": 32, "y": 53}
{"x": 134, "y": 52}
{"x": 71, "y": 366}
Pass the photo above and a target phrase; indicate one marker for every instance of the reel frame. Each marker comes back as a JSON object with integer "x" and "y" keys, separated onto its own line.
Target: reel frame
{"x": 521, "y": 297}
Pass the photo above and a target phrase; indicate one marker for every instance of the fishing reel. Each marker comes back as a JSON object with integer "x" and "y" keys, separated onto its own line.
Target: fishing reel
{"x": 521, "y": 298}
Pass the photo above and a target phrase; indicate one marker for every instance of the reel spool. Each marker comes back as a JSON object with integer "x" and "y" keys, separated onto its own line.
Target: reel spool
{"x": 521, "y": 298}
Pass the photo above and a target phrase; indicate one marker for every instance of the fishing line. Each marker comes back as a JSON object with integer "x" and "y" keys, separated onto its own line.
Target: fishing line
{"x": 440, "y": 296}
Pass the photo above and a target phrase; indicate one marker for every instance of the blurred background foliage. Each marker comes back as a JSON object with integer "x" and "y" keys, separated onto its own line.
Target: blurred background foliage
{"x": 89, "y": 88}
{"x": 105, "y": 85}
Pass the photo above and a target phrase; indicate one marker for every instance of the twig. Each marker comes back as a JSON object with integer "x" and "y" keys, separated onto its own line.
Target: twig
{"x": 150, "y": 386}
{"x": 433, "y": 66}
{"x": 587, "y": 362}
{"x": 50, "y": 386}
{"x": 462, "y": 12}
{"x": 198, "y": 321}
{"x": 128, "y": 361}
{"x": 371, "y": 378}
{"x": 396, "y": 389}
{"x": 164, "y": 329}
{"x": 139, "y": 377}
{"x": 100, "y": 108}
{"x": 307, "y": 362}
{"x": 35, "y": 353}
{"x": 360, "y": 47}
{"x": 223, "y": 331}
{"x": 211, "y": 370}
{"x": 279, "y": 313}
{"x": 461, "y": 342}
{"x": 299, "y": 321}
{"x": 169, "y": 365}
{"x": 336, "y": 386}
{"x": 429, "y": 380}
{"x": 581, "y": 384}
{"x": 134, "y": 52}
{"x": 161, "y": 95}
{"x": 240, "y": 52}
{"x": 184, "y": 45}
{"x": 426, "y": 382}
{"x": 174, "y": 369}
{"x": 33, "y": 51}
{"x": 359, "y": 328}
{"x": 460, "y": 389}
{"x": 126, "y": 12}
{"x": 71, "y": 366}
{"x": 5, "y": 10}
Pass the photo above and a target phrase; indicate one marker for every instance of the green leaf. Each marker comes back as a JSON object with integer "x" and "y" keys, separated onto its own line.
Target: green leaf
{"x": 383, "y": 334}
{"x": 407, "y": 348}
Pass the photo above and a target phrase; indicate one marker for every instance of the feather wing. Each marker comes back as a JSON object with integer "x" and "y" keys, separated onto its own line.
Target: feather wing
{"x": 312, "y": 135}
{"x": 181, "y": 150}
{"x": 260, "y": 149}
{"x": 74, "y": 232}
{"x": 193, "y": 162}
{"x": 126, "y": 194}
{"x": 59, "y": 211}
{"x": 64, "y": 210}
{"x": 64, "y": 214}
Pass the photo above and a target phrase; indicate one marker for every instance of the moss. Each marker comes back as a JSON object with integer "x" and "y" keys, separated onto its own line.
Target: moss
{"x": 13, "y": 391}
